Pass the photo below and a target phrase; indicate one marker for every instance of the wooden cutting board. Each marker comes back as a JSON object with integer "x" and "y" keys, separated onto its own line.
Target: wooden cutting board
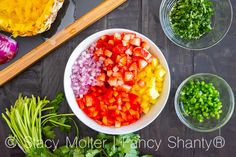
{"x": 56, "y": 40}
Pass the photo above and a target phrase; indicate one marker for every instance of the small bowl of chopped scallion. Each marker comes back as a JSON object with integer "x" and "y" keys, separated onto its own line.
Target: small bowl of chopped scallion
{"x": 204, "y": 102}
{"x": 196, "y": 24}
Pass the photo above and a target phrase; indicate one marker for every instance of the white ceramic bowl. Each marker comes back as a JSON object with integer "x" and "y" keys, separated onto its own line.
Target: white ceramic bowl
{"x": 146, "y": 118}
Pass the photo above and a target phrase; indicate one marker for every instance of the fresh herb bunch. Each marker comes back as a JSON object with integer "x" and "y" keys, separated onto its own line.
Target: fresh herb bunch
{"x": 109, "y": 146}
{"x": 31, "y": 118}
{"x": 201, "y": 100}
{"x": 190, "y": 19}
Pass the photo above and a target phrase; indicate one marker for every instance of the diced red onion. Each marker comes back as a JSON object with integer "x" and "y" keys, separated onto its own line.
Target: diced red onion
{"x": 84, "y": 72}
{"x": 8, "y": 48}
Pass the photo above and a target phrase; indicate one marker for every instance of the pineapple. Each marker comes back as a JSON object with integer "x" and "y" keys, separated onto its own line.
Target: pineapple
{"x": 28, "y": 17}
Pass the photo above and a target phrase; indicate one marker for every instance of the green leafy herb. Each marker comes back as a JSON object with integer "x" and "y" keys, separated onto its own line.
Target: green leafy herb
{"x": 110, "y": 146}
{"x": 190, "y": 19}
{"x": 28, "y": 123}
{"x": 31, "y": 118}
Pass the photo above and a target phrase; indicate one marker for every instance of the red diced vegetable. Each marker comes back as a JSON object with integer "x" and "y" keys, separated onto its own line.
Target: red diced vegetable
{"x": 136, "y": 41}
{"x": 129, "y": 76}
{"x": 142, "y": 63}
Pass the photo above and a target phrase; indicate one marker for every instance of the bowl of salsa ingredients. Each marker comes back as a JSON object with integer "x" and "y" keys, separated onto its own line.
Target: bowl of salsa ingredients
{"x": 117, "y": 81}
{"x": 204, "y": 102}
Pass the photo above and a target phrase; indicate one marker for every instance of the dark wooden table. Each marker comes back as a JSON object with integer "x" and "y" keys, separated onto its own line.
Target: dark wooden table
{"x": 46, "y": 79}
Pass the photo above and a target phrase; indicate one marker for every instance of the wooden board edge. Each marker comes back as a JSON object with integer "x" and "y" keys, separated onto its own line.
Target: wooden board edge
{"x": 55, "y": 41}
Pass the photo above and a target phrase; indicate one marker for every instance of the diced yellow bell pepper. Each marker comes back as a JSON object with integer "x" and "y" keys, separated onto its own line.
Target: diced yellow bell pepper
{"x": 153, "y": 76}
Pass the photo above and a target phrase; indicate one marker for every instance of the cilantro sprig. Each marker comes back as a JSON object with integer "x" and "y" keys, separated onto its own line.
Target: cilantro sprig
{"x": 112, "y": 146}
{"x": 191, "y": 19}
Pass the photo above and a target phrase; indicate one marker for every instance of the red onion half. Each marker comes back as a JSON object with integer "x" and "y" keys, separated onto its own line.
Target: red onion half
{"x": 8, "y": 48}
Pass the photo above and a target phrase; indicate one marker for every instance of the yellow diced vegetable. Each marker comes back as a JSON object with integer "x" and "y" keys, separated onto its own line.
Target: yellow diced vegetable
{"x": 153, "y": 76}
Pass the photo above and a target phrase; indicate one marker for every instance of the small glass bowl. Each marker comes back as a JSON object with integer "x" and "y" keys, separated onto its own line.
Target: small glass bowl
{"x": 226, "y": 97}
{"x": 221, "y": 23}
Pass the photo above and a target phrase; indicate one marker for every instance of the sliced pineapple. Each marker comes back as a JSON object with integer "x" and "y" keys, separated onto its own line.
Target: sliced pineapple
{"x": 28, "y": 17}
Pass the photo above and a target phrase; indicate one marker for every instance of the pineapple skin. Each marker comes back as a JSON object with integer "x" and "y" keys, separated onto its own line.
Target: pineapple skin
{"x": 46, "y": 23}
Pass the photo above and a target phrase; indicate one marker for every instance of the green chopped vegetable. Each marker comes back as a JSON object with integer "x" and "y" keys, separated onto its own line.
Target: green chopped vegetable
{"x": 201, "y": 100}
{"x": 190, "y": 19}
{"x": 31, "y": 118}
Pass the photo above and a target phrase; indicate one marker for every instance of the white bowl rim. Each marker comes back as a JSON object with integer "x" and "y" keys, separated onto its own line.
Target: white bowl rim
{"x": 71, "y": 98}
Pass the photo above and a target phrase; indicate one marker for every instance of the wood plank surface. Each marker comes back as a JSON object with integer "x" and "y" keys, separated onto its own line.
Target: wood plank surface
{"x": 46, "y": 79}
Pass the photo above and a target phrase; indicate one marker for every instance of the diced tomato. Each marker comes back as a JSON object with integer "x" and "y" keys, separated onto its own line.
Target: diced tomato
{"x": 101, "y": 44}
{"x": 119, "y": 101}
{"x": 117, "y": 36}
{"x": 132, "y": 112}
{"x": 123, "y": 60}
{"x": 100, "y": 83}
{"x": 105, "y": 37}
{"x": 109, "y": 93}
{"x": 117, "y": 124}
{"x": 114, "y": 107}
{"x": 145, "y": 45}
{"x": 108, "y": 53}
{"x": 125, "y": 95}
{"x": 94, "y": 114}
{"x": 119, "y": 49}
{"x": 140, "y": 52}
{"x": 99, "y": 122}
{"x": 128, "y": 36}
{"x": 89, "y": 100}
{"x": 136, "y": 41}
{"x": 128, "y": 76}
{"x": 115, "y": 93}
{"x": 80, "y": 103}
{"x": 98, "y": 52}
{"x": 104, "y": 120}
{"x": 142, "y": 63}
{"x": 145, "y": 53}
{"x": 112, "y": 81}
{"x": 125, "y": 43}
{"x": 133, "y": 67}
{"x": 112, "y": 100}
{"x": 126, "y": 87}
{"x": 102, "y": 58}
{"x": 101, "y": 77}
{"x": 111, "y": 42}
{"x": 108, "y": 61}
{"x": 149, "y": 58}
{"x": 109, "y": 73}
{"x": 132, "y": 97}
{"x": 115, "y": 69}
{"x": 129, "y": 60}
{"x": 118, "y": 57}
{"x": 128, "y": 51}
{"x": 117, "y": 74}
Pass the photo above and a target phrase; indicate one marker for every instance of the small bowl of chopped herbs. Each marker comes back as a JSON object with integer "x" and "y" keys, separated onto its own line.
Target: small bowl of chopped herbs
{"x": 196, "y": 24}
{"x": 204, "y": 102}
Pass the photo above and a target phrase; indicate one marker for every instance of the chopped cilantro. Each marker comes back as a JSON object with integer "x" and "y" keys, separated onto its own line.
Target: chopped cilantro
{"x": 190, "y": 19}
